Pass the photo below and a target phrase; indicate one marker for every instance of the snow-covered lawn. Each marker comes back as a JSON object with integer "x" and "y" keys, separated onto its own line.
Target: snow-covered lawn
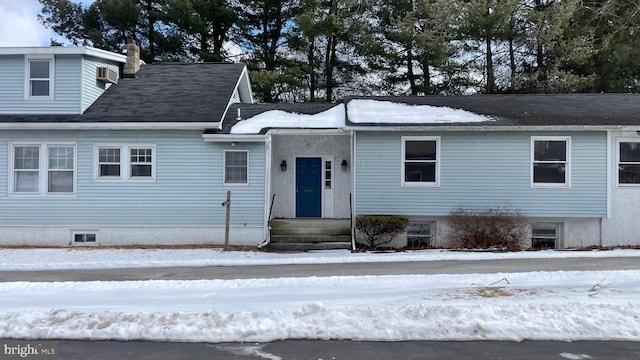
{"x": 564, "y": 305}
{"x": 104, "y": 258}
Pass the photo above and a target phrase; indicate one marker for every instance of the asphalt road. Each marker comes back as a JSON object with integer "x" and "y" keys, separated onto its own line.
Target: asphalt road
{"x": 345, "y": 269}
{"x": 347, "y": 350}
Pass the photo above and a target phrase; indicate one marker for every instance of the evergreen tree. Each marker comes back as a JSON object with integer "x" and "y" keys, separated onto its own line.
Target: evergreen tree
{"x": 616, "y": 25}
{"x": 205, "y": 25}
{"x": 559, "y": 46}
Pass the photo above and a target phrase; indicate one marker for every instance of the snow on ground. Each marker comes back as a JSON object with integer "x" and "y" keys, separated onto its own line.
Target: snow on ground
{"x": 100, "y": 258}
{"x": 562, "y": 305}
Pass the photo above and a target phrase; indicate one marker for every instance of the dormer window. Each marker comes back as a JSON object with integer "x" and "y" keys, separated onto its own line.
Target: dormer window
{"x": 39, "y": 78}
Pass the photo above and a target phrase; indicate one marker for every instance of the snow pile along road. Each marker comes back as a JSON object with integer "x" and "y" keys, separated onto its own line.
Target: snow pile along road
{"x": 597, "y": 305}
{"x": 108, "y": 258}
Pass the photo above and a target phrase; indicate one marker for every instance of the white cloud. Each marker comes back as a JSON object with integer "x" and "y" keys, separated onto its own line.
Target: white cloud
{"x": 19, "y": 25}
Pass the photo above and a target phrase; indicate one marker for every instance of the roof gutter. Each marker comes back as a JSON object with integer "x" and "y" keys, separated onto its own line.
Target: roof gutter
{"x": 496, "y": 128}
{"x": 109, "y": 126}
{"x": 63, "y": 50}
{"x": 233, "y": 138}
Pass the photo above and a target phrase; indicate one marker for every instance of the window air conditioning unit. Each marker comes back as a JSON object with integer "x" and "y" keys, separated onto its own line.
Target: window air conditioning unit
{"x": 107, "y": 75}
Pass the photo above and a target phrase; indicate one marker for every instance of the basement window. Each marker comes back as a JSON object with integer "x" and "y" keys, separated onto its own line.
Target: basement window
{"x": 545, "y": 235}
{"x": 84, "y": 238}
{"x": 419, "y": 235}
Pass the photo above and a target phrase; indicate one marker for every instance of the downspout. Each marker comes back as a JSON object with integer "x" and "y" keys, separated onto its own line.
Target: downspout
{"x": 352, "y": 197}
{"x": 610, "y": 173}
{"x": 267, "y": 191}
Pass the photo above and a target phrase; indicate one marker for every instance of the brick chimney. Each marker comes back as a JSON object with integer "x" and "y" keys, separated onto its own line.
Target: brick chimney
{"x": 132, "y": 65}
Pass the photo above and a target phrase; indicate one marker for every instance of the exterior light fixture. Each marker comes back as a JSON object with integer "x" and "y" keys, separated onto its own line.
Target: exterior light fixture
{"x": 283, "y": 165}
{"x": 344, "y": 165}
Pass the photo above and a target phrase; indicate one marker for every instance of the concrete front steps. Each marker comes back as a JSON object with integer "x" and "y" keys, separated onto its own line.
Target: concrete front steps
{"x": 309, "y": 234}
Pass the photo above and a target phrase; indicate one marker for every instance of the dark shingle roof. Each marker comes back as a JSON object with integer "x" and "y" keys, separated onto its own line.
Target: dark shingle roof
{"x": 176, "y": 92}
{"x": 534, "y": 110}
{"x": 44, "y": 118}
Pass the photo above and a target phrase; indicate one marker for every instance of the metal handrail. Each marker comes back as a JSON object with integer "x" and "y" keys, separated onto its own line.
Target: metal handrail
{"x": 353, "y": 231}
{"x": 268, "y": 239}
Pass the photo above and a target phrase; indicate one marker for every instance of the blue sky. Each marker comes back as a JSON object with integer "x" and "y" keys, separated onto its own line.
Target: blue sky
{"x": 19, "y": 25}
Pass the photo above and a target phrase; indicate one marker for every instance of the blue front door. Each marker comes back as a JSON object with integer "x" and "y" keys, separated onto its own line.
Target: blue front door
{"x": 308, "y": 187}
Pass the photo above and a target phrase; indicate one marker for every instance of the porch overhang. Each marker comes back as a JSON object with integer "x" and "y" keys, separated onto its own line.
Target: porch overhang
{"x": 233, "y": 138}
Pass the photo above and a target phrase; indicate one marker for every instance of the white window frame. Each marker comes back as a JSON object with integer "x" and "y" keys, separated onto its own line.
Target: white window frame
{"x": 130, "y": 163}
{"x": 28, "y": 79}
{"x": 557, "y": 239}
{"x": 97, "y": 162}
{"x": 125, "y": 162}
{"x": 567, "y": 162}
{"x": 43, "y": 168}
{"x": 435, "y": 183}
{"x": 618, "y": 163}
{"x": 224, "y": 168}
{"x": 93, "y": 232}
{"x": 430, "y": 237}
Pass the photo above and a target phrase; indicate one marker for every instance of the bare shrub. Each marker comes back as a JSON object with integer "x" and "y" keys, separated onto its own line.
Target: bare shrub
{"x": 493, "y": 229}
{"x": 380, "y": 229}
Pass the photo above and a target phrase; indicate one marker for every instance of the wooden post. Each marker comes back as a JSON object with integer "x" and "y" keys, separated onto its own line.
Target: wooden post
{"x": 227, "y": 204}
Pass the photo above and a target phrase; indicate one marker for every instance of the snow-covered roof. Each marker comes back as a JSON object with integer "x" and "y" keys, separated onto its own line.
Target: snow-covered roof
{"x": 369, "y": 111}
{"x": 499, "y": 112}
{"x": 333, "y": 118}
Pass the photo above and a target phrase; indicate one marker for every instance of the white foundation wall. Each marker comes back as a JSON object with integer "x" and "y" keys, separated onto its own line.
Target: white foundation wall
{"x": 579, "y": 233}
{"x": 622, "y": 226}
{"x": 129, "y": 236}
{"x": 573, "y": 233}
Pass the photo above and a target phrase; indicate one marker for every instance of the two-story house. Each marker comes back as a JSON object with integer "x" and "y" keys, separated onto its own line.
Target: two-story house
{"x": 96, "y": 148}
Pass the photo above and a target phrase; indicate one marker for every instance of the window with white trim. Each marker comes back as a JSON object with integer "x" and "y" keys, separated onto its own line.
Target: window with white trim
{"x": 419, "y": 235}
{"x": 61, "y": 169}
{"x": 629, "y": 163}
{"x": 39, "y": 169}
{"x": 109, "y": 162}
{"x": 141, "y": 162}
{"x": 420, "y": 161}
{"x": 26, "y": 169}
{"x": 84, "y": 237}
{"x": 235, "y": 167}
{"x": 124, "y": 162}
{"x": 550, "y": 161}
{"x": 39, "y": 78}
{"x": 545, "y": 235}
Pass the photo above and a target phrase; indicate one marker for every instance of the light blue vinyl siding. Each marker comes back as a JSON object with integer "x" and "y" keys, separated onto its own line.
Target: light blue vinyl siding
{"x": 188, "y": 190}
{"x": 480, "y": 171}
{"x": 92, "y": 88}
{"x": 75, "y": 87}
{"x": 11, "y": 83}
